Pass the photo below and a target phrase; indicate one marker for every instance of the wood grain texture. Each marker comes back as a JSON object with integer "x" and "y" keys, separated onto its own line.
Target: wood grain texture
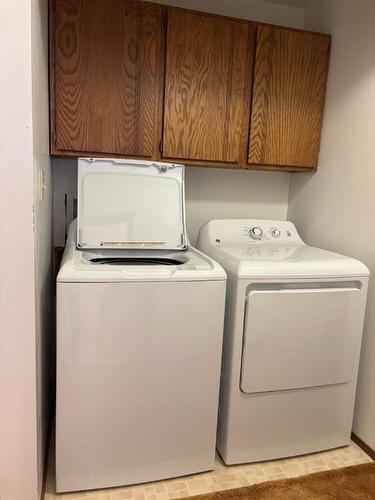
{"x": 107, "y": 76}
{"x": 207, "y": 71}
{"x": 365, "y": 447}
{"x": 288, "y": 97}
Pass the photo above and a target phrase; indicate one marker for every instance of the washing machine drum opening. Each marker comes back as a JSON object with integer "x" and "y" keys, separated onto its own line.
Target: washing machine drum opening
{"x": 137, "y": 261}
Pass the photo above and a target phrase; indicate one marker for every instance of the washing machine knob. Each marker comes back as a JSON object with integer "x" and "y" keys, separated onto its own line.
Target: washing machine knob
{"x": 276, "y": 233}
{"x": 256, "y": 233}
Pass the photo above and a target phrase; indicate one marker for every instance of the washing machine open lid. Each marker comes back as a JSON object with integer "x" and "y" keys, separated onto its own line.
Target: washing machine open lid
{"x": 130, "y": 204}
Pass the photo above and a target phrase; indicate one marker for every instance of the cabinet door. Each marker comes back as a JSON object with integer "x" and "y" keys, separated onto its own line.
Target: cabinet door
{"x": 288, "y": 97}
{"x": 106, "y": 76}
{"x": 206, "y": 85}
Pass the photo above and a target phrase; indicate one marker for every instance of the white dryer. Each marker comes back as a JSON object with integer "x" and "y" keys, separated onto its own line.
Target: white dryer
{"x": 292, "y": 337}
{"x": 139, "y": 333}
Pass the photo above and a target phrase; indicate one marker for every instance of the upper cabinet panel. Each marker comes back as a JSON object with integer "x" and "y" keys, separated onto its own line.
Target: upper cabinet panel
{"x": 207, "y": 87}
{"x": 137, "y": 79}
{"x": 288, "y": 97}
{"x": 106, "y": 76}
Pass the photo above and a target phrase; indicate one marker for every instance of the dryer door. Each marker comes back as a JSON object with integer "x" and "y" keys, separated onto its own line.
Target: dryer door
{"x": 299, "y": 337}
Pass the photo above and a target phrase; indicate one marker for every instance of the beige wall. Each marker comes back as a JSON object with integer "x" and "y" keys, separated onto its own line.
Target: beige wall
{"x": 220, "y": 194}
{"x": 18, "y": 427}
{"x": 25, "y": 248}
{"x": 335, "y": 208}
{"x": 44, "y": 290}
{"x": 256, "y": 10}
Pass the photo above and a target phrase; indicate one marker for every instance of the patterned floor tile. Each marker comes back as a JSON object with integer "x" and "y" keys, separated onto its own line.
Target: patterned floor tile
{"x": 221, "y": 478}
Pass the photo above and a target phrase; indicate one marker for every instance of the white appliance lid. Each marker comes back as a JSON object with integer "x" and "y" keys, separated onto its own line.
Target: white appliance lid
{"x": 276, "y": 252}
{"x": 130, "y": 204}
{"x": 298, "y": 261}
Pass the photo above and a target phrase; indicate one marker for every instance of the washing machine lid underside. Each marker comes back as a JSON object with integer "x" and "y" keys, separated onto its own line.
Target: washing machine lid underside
{"x": 130, "y": 204}
{"x": 289, "y": 261}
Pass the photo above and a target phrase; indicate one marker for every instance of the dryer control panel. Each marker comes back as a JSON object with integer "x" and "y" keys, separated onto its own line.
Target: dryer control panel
{"x": 249, "y": 232}
{"x": 270, "y": 231}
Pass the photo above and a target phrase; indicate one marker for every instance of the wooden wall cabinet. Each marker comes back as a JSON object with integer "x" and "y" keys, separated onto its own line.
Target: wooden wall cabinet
{"x": 209, "y": 63}
{"x": 137, "y": 79}
{"x": 106, "y": 77}
{"x": 288, "y": 97}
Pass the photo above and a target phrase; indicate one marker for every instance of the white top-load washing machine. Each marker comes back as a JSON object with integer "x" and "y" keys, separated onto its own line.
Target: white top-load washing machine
{"x": 139, "y": 333}
{"x": 292, "y": 336}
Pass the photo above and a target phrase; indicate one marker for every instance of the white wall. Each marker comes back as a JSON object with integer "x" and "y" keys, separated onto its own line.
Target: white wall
{"x": 25, "y": 248}
{"x": 256, "y": 10}
{"x": 210, "y": 192}
{"x": 335, "y": 208}
{"x": 44, "y": 290}
{"x": 18, "y": 444}
{"x": 223, "y": 194}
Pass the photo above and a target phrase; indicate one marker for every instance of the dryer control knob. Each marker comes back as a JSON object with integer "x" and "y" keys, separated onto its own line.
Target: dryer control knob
{"x": 276, "y": 233}
{"x": 256, "y": 233}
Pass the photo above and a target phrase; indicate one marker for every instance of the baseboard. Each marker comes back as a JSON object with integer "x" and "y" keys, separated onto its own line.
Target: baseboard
{"x": 370, "y": 452}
